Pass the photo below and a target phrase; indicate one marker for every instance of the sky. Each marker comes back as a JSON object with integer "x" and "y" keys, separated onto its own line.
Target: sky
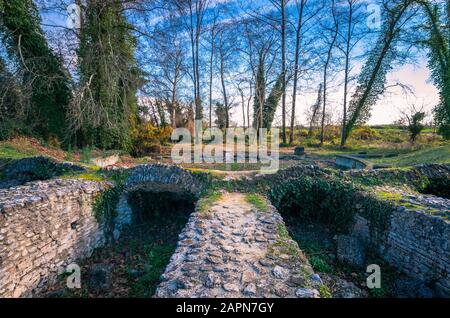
{"x": 388, "y": 109}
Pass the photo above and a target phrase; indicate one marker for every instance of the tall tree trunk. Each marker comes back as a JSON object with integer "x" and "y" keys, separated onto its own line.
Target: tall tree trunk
{"x": 325, "y": 73}
{"x": 173, "y": 102}
{"x": 347, "y": 68}
{"x": 283, "y": 67}
{"x": 192, "y": 37}
{"x": 260, "y": 95}
{"x": 248, "y": 105}
{"x": 241, "y": 93}
{"x": 389, "y": 37}
{"x": 296, "y": 66}
{"x": 222, "y": 80}
{"x": 316, "y": 107}
{"x": 224, "y": 90}
{"x": 211, "y": 79}
{"x": 243, "y": 111}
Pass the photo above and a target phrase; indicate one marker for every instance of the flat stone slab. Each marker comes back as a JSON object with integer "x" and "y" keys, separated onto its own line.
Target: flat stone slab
{"x": 350, "y": 162}
{"x": 234, "y": 250}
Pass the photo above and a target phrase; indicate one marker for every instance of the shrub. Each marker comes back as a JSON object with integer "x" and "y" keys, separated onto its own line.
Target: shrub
{"x": 86, "y": 155}
{"x": 149, "y": 139}
{"x": 415, "y": 126}
{"x": 365, "y": 133}
{"x": 326, "y": 201}
{"x": 439, "y": 187}
{"x": 332, "y": 133}
{"x": 303, "y": 133}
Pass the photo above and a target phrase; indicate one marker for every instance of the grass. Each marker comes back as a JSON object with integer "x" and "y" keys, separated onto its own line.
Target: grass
{"x": 257, "y": 201}
{"x": 439, "y": 154}
{"x": 382, "y": 140}
{"x": 206, "y": 202}
{"x": 10, "y": 151}
{"x": 235, "y": 167}
{"x": 317, "y": 254}
{"x": 90, "y": 176}
{"x": 399, "y": 200}
{"x": 152, "y": 260}
{"x": 324, "y": 291}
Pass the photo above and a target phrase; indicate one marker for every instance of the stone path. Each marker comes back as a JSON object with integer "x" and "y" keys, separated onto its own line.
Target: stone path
{"x": 235, "y": 250}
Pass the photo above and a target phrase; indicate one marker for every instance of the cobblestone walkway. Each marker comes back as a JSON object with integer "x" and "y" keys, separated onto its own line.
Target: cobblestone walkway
{"x": 235, "y": 250}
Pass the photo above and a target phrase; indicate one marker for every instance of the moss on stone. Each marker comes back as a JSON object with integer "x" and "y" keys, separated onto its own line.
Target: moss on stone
{"x": 205, "y": 203}
{"x": 324, "y": 291}
{"x": 257, "y": 201}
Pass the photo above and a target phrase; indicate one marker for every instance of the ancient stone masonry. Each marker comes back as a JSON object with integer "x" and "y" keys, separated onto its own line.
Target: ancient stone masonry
{"x": 413, "y": 177}
{"x": 229, "y": 249}
{"x": 417, "y": 243}
{"x": 235, "y": 250}
{"x": 44, "y": 226}
{"x": 155, "y": 176}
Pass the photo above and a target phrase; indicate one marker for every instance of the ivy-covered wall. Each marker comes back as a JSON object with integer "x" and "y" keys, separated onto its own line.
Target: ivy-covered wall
{"x": 415, "y": 242}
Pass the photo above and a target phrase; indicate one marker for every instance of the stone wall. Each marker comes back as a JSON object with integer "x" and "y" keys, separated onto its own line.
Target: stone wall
{"x": 44, "y": 226}
{"x": 153, "y": 176}
{"x": 416, "y": 243}
{"x": 21, "y": 171}
{"x": 156, "y": 178}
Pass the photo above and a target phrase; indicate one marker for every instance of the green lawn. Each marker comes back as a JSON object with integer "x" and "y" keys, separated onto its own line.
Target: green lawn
{"x": 440, "y": 154}
{"x": 8, "y": 151}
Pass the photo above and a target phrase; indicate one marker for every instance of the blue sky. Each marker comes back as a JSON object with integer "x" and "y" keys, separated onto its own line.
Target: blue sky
{"x": 387, "y": 110}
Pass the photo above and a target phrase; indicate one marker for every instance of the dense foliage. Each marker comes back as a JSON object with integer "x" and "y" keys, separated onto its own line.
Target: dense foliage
{"x": 271, "y": 104}
{"x": 439, "y": 187}
{"x": 438, "y": 27}
{"x": 41, "y": 70}
{"x": 416, "y": 126}
{"x": 326, "y": 201}
{"x": 149, "y": 139}
{"x": 372, "y": 79}
{"x": 104, "y": 114}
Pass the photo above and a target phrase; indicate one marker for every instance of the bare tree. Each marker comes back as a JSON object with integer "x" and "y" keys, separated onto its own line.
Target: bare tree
{"x": 300, "y": 8}
{"x": 350, "y": 40}
{"x": 165, "y": 80}
{"x": 314, "y": 111}
{"x": 193, "y": 12}
{"x": 334, "y": 31}
{"x": 213, "y": 35}
{"x": 372, "y": 79}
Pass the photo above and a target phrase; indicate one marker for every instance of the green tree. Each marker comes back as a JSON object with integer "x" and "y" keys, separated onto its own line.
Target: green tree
{"x": 41, "y": 69}
{"x": 260, "y": 92}
{"x": 415, "y": 125}
{"x": 271, "y": 104}
{"x": 372, "y": 79}
{"x": 438, "y": 42}
{"x": 221, "y": 115}
{"x": 13, "y": 103}
{"x": 264, "y": 109}
{"x": 104, "y": 114}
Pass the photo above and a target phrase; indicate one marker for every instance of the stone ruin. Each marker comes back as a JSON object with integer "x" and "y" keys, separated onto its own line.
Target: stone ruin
{"x": 46, "y": 225}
